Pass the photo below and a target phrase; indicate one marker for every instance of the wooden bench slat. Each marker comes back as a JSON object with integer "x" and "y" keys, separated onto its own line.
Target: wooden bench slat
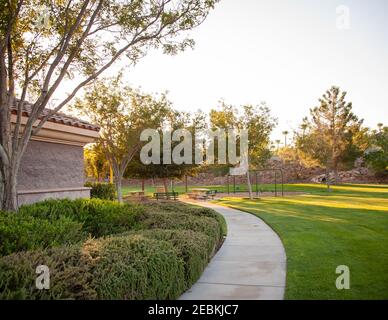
{"x": 166, "y": 195}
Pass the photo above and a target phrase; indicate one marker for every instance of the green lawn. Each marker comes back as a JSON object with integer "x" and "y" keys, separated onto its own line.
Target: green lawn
{"x": 239, "y": 187}
{"x": 322, "y": 230}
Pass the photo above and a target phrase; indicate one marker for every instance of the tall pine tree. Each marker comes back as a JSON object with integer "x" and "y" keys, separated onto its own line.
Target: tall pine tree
{"x": 330, "y": 132}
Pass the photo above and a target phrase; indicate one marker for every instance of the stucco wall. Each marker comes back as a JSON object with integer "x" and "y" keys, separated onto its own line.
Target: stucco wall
{"x": 49, "y": 165}
{"x": 51, "y": 170}
{"x": 28, "y": 198}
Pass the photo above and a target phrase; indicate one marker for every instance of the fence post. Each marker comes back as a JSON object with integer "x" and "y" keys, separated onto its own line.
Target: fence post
{"x": 281, "y": 172}
{"x": 276, "y": 191}
{"x": 257, "y": 186}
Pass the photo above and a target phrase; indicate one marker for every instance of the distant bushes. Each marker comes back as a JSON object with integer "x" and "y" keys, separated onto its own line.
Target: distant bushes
{"x": 154, "y": 251}
{"x": 104, "y": 191}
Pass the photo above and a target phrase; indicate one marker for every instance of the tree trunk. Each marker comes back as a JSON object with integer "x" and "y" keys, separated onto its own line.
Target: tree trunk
{"x": 249, "y": 185}
{"x": 335, "y": 171}
{"x": 142, "y": 185}
{"x": 9, "y": 172}
{"x": 9, "y": 193}
{"x": 2, "y": 182}
{"x": 118, "y": 181}
{"x": 111, "y": 180}
{"x": 165, "y": 184}
{"x": 328, "y": 177}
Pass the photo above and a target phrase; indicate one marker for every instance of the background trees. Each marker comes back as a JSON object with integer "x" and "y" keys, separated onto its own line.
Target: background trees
{"x": 44, "y": 42}
{"x": 332, "y": 137}
{"x": 376, "y": 156}
{"x": 95, "y": 164}
{"x": 123, "y": 114}
{"x": 330, "y": 132}
{"x": 257, "y": 120}
{"x": 174, "y": 120}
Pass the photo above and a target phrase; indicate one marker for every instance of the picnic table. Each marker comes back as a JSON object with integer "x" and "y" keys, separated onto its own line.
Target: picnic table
{"x": 202, "y": 194}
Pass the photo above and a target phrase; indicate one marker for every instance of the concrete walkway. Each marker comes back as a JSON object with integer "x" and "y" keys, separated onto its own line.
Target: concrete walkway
{"x": 250, "y": 265}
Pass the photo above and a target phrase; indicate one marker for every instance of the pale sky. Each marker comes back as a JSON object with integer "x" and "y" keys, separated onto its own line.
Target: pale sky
{"x": 284, "y": 52}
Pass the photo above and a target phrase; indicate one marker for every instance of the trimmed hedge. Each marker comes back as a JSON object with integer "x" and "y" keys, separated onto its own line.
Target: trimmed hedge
{"x": 70, "y": 274}
{"x": 99, "y": 217}
{"x": 104, "y": 191}
{"x": 192, "y": 248}
{"x": 149, "y": 252}
{"x": 131, "y": 267}
{"x": 58, "y": 222}
{"x": 191, "y": 210}
{"x": 21, "y": 232}
{"x": 137, "y": 268}
{"x": 182, "y": 221}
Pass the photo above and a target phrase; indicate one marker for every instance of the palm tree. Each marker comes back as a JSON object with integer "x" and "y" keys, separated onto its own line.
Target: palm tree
{"x": 285, "y": 133}
{"x": 278, "y": 144}
{"x": 380, "y": 126}
{"x": 303, "y": 126}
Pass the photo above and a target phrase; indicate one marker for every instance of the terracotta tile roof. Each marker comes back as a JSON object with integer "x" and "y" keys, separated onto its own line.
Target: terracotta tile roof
{"x": 58, "y": 118}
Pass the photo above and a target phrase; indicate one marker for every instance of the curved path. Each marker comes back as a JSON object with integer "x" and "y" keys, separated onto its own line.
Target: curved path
{"x": 250, "y": 265}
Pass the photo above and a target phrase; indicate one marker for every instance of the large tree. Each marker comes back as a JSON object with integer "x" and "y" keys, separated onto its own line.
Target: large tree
{"x": 330, "y": 132}
{"x": 123, "y": 115}
{"x": 44, "y": 42}
{"x": 259, "y": 123}
{"x": 176, "y": 120}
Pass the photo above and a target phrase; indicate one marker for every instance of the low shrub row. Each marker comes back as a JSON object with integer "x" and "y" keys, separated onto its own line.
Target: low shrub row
{"x": 192, "y": 247}
{"x": 177, "y": 207}
{"x": 104, "y": 191}
{"x": 181, "y": 221}
{"x": 131, "y": 267}
{"x": 57, "y": 222}
{"x": 154, "y": 251}
{"x": 22, "y": 232}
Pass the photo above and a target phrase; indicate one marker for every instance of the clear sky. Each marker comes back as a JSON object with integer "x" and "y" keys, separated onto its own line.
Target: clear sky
{"x": 284, "y": 52}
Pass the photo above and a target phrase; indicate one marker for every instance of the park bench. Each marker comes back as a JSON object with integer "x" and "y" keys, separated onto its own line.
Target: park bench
{"x": 166, "y": 195}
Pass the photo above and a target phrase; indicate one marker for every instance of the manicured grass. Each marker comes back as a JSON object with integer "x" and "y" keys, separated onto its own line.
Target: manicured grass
{"x": 322, "y": 230}
{"x": 313, "y": 188}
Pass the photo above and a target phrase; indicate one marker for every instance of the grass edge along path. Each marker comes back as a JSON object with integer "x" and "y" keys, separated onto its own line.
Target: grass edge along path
{"x": 321, "y": 230}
